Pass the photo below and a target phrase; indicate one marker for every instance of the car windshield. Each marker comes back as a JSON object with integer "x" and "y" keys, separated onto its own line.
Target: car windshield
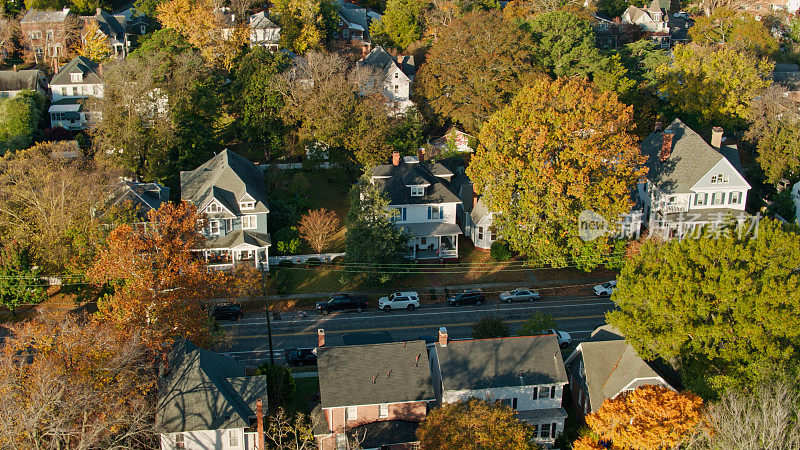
{"x": 607, "y": 285}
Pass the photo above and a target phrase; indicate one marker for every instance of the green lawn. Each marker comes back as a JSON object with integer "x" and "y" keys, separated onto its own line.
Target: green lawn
{"x": 307, "y": 390}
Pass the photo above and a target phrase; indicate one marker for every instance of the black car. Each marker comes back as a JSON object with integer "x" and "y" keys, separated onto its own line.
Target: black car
{"x": 302, "y": 357}
{"x": 342, "y": 302}
{"x": 229, "y": 311}
{"x": 467, "y": 297}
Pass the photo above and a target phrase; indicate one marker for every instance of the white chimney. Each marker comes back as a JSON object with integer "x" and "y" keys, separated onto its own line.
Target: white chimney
{"x": 716, "y": 137}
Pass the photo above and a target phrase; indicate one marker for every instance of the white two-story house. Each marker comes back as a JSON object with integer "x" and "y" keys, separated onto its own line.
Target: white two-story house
{"x": 231, "y": 192}
{"x": 421, "y": 202}
{"x": 398, "y": 76}
{"x": 525, "y": 373}
{"x": 264, "y": 32}
{"x": 75, "y": 82}
{"x": 690, "y": 183}
{"x": 653, "y": 20}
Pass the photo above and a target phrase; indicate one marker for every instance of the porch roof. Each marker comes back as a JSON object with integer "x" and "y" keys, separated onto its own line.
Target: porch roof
{"x": 239, "y": 238}
{"x": 541, "y": 415}
{"x": 431, "y": 229}
{"x": 704, "y": 216}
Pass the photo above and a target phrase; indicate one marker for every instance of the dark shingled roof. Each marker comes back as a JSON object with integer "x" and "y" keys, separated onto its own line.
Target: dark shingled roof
{"x": 227, "y": 177}
{"x": 79, "y": 64}
{"x": 238, "y": 237}
{"x": 142, "y": 196}
{"x": 394, "y": 181}
{"x": 400, "y": 371}
{"x": 385, "y": 432}
{"x": 381, "y": 60}
{"x": 38, "y": 16}
{"x": 500, "y": 362}
{"x": 18, "y": 80}
{"x": 690, "y": 160}
{"x": 207, "y": 391}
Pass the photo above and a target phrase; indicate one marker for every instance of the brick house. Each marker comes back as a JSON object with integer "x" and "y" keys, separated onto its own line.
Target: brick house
{"x": 374, "y": 394}
{"x": 47, "y": 35}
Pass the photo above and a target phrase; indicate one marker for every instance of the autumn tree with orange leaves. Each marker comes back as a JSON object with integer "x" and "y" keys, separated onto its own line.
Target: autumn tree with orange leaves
{"x": 649, "y": 417}
{"x": 70, "y": 381}
{"x": 317, "y": 227}
{"x": 159, "y": 285}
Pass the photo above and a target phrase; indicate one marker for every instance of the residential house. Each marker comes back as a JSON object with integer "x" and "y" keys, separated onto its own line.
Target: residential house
{"x": 47, "y": 35}
{"x": 231, "y": 192}
{"x": 264, "y": 32}
{"x": 605, "y": 366}
{"x": 606, "y": 31}
{"x": 421, "y": 202}
{"x": 525, "y": 373}
{"x": 690, "y": 183}
{"x": 354, "y": 22}
{"x": 654, "y": 20}
{"x": 74, "y": 83}
{"x": 478, "y": 224}
{"x": 376, "y": 393}
{"x": 207, "y": 402}
{"x": 454, "y": 140}
{"x": 398, "y": 76}
{"x": 113, "y": 27}
{"x": 136, "y": 23}
{"x": 12, "y": 82}
{"x": 140, "y": 197}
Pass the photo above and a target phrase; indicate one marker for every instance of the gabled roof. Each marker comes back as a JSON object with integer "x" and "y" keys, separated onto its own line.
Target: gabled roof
{"x": 144, "y": 197}
{"x": 354, "y": 14}
{"x": 480, "y": 211}
{"x": 260, "y": 20}
{"x": 226, "y": 177}
{"x": 501, "y": 362}
{"x": 376, "y": 373}
{"x": 381, "y": 60}
{"x": 17, "y": 80}
{"x": 611, "y": 365}
{"x": 204, "y": 390}
{"x": 38, "y": 16}
{"x": 239, "y": 238}
{"x": 393, "y": 182}
{"x": 690, "y": 160}
{"x": 79, "y": 64}
{"x": 114, "y": 27}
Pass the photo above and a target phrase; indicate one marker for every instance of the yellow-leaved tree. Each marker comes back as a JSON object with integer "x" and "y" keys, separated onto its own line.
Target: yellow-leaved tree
{"x": 649, "y": 417}
{"x": 94, "y": 44}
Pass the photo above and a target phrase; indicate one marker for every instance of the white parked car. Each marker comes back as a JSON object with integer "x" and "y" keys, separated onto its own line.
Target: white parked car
{"x": 399, "y": 300}
{"x": 564, "y": 339}
{"x": 605, "y": 288}
{"x": 520, "y": 295}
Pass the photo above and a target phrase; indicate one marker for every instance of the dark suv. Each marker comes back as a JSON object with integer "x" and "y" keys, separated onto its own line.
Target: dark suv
{"x": 467, "y": 297}
{"x": 342, "y": 302}
{"x": 302, "y": 357}
{"x": 227, "y": 311}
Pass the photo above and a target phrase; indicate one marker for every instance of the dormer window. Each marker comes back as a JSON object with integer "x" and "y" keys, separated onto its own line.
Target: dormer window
{"x": 417, "y": 191}
{"x": 76, "y": 77}
{"x": 212, "y": 208}
{"x": 721, "y": 178}
{"x": 247, "y": 205}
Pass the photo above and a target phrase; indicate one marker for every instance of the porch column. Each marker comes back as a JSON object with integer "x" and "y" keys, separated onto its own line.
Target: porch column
{"x": 455, "y": 241}
{"x": 233, "y": 256}
{"x": 256, "y": 256}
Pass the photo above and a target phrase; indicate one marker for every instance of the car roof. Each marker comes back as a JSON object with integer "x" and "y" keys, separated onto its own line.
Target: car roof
{"x": 406, "y": 293}
{"x": 471, "y": 291}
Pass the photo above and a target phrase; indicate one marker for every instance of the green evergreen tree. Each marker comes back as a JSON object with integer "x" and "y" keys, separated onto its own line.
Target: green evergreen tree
{"x": 20, "y": 281}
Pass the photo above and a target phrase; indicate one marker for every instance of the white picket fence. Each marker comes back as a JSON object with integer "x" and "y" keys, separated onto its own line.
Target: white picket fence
{"x": 299, "y": 259}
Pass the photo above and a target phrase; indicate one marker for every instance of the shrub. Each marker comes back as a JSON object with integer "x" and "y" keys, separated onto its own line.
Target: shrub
{"x": 501, "y": 251}
{"x": 490, "y": 327}
{"x": 280, "y": 384}
{"x": 288, "y": 241}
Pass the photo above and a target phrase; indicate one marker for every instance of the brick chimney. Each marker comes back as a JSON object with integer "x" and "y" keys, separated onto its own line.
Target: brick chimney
{"x": 421, "y": 154}
{"x": 400, "y": 60}
{"x": 443, "y": 336}
{"x": 99, "y": 10}
{"x": 396, "y": 158}
{"x": 666, "y": 145}
{"x": 320, "y": 338}
{"x": 716, "y": 137}
{"x": 260, "y": 424}
{"x": 474, "y": 200}
{"x": 658, "y": 127}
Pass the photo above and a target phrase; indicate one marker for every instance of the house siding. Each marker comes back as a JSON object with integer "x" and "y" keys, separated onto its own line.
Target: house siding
{"x": 410, "y": 411}
{"x": 419, "y": 213}
{"x": 207, "y": 440}
{"x": 523, "y": 394}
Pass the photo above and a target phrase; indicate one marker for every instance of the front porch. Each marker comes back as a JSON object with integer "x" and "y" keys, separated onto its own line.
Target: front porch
{"x": 433, "y": 240}
{"x": 237, "y": 248}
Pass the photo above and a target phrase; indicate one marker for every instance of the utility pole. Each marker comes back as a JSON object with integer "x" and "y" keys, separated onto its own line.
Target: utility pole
{"x": 266, "y": 304}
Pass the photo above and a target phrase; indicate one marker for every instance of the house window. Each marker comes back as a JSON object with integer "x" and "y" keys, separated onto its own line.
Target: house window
{"x": 552, "y": 391}
{"x": 49, "y": 35}
{"x": 545, "y": 431}
{"x": 346, "y": 33}
{"x": 735, "y": 198}
{"x": 423, "y": 240}
{"x": 514, "y": 403}
{"x": 143, "y": 29}
{"x": 535, "y": 392}
{"x": 396, "y": 75}
{"x": 417, "y": 191}
{"x": 179, "y": 442}
{"x": 506, "y": 402}
{"x": 352, "y": 413}
{"x": 721, "y": 178}
{"x": 718, "y": 198}
{"x": 76, "y": 77}
{"x": 233, "y": 438}
{"x": 398, "y": 214}
{"x": 213, "y": 226}
{"x": 396, "y": 88}
{"x": 383, "y": 411}
{"x": 249, "y": 222}
{"x": 36, "y": 34}
{"x": 247, "y": 205}
{"x": 493, "y": 236}
{"x": 435, "y": 212}
{"x": 212, "y": 208}
{"x": 701, "y": 198}
{"x": 480, "y": 233}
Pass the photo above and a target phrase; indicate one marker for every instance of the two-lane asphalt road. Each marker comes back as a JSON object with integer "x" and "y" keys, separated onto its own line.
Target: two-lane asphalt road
{"x": 575, "y": 315}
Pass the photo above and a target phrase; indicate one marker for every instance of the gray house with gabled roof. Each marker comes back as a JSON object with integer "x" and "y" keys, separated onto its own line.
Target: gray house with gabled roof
{"x": 140, "y": 197}
{"x": 12, "y": 82}
{"x": 115, "y": 29}
{"x": 525, "y": 373}
{"x": 231, "y": 192}
{"x": 422, "y": 203}
{"x": 206, "y": 401}
{"x": 398, "y": 76}
{"x": 74, "y": 83}
{"x": 378, "y": 392}
{"x": 605, "y": 366}
{"x": 264, "y": 32}
{"x": 690, "y": 183}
